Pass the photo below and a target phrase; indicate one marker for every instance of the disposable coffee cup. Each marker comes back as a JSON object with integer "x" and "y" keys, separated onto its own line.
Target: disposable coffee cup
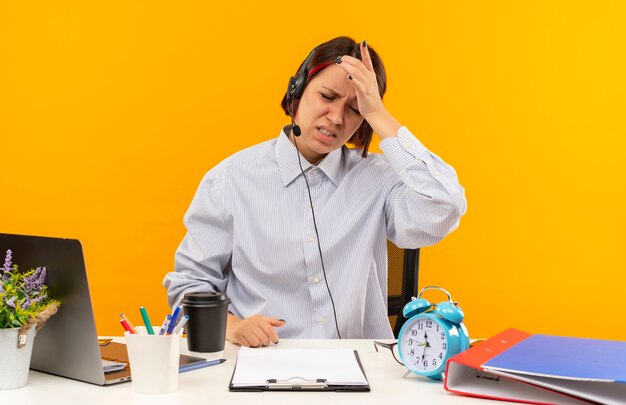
{"x": 206, "y": 328}
{"x": 153, "y": 361}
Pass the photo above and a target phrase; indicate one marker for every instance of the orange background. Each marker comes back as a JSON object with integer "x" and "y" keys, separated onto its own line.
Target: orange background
{"x": 111, "y": 112}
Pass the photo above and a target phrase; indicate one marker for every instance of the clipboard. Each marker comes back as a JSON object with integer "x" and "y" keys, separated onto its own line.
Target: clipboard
{"x": 301, "y": 379}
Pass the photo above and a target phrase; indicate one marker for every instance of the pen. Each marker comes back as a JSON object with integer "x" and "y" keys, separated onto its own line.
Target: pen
{"x": 173, "y": 321}
{"x": 127, "y": 327}
{"x": 130, "y": 325}
{"x": 146, "y": 320}
{"x": 165, "y": 323}
{"x": 195, "y": 366}
{"x": 180, "y": 324}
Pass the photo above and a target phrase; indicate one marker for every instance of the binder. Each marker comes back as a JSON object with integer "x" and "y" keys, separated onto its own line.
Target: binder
{"x": 275, "y": 369}
{"x": 541, "y": 369}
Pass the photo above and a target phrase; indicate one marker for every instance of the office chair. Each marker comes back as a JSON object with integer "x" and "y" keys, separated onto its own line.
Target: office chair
{"x": 402, "y": 279}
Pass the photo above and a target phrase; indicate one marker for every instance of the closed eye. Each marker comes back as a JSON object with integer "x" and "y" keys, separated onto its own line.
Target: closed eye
{"x": 330, "y": 98}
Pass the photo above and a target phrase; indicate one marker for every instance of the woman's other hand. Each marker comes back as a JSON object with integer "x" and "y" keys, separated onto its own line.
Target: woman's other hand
{"x": 255, "y": 331}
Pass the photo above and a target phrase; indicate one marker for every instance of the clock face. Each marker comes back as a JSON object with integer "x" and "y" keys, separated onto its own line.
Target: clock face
{"x": 424, "y": 344}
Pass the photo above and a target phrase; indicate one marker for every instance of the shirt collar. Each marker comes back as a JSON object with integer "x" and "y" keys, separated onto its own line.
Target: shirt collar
{"x": 289, "y": 168}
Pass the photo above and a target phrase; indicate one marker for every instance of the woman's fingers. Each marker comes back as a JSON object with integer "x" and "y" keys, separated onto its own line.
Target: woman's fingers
{"x": 248, "y": 342}
{"x": 257, "y": 331}
{"x": 365, "y": 54}
{"x": 270, "y": 330}
{"x": 348, "y": 61}
{"x": 261, "y": 336}
{"x": 364, "y": 82}
{"x": 353, "y": 73}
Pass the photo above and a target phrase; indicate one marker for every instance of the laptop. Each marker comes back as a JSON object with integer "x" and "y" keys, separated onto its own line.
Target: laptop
{"x": 68, "y": 343}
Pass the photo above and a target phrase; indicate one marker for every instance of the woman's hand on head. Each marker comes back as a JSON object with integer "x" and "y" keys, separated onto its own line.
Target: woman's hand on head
{"x": 362, "y": 77}
{"x": 255, "y": 331}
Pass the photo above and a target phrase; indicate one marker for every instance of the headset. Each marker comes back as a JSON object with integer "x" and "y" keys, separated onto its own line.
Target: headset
{"x": 294, "y": 92}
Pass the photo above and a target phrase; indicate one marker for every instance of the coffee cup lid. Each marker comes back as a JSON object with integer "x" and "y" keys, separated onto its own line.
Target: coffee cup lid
{"x": 203, "y": 296}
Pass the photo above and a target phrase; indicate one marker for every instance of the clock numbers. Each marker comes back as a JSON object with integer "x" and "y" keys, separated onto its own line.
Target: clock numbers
{"x": 424, "y": 345}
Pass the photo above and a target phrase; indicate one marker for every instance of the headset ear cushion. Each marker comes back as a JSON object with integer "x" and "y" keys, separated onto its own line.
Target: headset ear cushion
{"x": 292, "y": 85}
{"x": 298, "y": 86}
{"x": 449, "y": 311}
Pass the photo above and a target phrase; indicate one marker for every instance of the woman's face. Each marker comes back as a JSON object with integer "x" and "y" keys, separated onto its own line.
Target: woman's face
{"x": 328, "y": 113}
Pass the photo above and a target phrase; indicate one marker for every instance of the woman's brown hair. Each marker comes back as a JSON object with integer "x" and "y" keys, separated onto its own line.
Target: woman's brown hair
{"x": 328, "y": 52}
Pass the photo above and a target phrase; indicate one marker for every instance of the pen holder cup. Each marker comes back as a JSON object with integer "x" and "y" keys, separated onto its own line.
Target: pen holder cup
{"x": 153, "y": 361}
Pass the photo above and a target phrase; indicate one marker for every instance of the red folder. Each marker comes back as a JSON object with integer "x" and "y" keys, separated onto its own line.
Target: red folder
{"x": 540, "y": 369}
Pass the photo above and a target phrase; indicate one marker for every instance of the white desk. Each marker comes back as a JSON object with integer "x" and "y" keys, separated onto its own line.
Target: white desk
{"x": 210, "y": 385}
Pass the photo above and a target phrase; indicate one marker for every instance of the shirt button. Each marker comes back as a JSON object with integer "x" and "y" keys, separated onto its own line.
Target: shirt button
{"x": 437, "y": 173}
{"x": 319, "y": 319}
{"x": 316, "y": 280}
{"x": 407, "y": 145}
{"x": 309, "y": 238}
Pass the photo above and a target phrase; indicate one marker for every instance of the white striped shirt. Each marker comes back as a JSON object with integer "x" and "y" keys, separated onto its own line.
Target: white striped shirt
{"x": 250, "y": 232}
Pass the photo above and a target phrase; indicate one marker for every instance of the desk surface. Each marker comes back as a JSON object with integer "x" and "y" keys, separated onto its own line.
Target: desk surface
{"x": 210, "y": 385}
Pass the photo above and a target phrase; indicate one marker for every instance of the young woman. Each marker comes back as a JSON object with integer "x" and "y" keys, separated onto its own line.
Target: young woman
{"x": 294, "y": 229}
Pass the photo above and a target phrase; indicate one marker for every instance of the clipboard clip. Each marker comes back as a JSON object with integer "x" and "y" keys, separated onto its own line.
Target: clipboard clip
{"x": 296, "y": 383}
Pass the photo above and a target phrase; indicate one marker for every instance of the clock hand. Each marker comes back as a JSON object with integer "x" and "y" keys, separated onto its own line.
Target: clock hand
{"x": 424, "y": 345}
{"x": 426, "y": 339}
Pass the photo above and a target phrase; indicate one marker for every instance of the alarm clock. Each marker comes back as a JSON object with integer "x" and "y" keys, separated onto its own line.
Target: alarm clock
{"x": 431, "y": 335}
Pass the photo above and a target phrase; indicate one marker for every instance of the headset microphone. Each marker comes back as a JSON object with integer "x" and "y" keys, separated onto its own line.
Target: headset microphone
{"x": 295, "y": 128}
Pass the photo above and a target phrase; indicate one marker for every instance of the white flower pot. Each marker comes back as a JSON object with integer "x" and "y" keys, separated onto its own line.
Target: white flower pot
{"x": 14, "y": 361}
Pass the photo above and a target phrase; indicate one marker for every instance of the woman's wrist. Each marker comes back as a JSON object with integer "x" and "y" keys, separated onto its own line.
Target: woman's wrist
{"x": 231, "y": 324}
{"x": 383, "y": 123}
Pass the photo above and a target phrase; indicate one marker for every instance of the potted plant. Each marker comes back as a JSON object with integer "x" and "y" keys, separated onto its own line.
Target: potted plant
{"x": 24, "y": 307}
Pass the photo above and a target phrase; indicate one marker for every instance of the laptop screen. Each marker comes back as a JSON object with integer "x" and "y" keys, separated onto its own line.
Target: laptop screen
{"x": 68, "y": 343}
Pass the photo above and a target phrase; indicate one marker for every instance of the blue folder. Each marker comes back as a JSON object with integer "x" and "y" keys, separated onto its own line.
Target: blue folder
{"x": 565, "y": 357}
